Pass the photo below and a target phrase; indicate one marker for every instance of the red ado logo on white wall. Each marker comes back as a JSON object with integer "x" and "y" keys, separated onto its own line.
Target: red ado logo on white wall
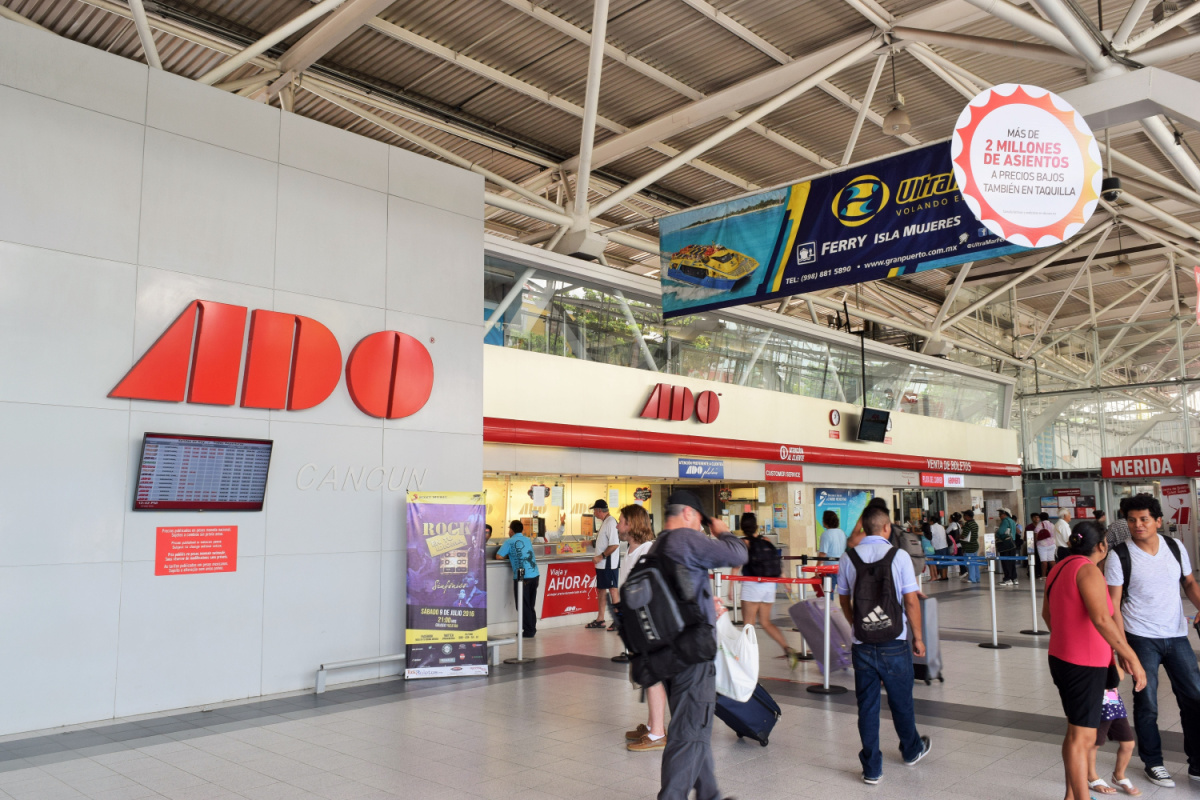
{"x": 291, "y": 362}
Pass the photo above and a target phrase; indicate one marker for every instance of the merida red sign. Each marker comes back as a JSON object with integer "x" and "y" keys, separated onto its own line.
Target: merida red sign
{"x": 291, "y": 362}
{"x": 1171, "y": 465}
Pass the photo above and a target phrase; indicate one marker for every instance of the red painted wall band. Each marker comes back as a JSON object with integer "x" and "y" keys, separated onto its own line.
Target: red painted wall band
{"x": 549, "y": 434}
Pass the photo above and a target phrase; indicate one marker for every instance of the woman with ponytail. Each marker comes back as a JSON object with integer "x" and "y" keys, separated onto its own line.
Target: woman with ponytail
{"x": 1083, "y": 636}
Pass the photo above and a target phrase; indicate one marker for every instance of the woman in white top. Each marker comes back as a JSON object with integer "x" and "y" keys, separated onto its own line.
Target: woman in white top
{"x": 634, "y": 527}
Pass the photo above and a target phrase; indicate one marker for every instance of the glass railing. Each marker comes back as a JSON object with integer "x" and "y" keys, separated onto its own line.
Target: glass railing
{"x": 573, "y": 320}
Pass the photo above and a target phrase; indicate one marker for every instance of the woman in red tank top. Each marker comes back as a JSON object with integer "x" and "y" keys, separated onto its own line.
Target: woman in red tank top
{"x": 1083, "y": 636}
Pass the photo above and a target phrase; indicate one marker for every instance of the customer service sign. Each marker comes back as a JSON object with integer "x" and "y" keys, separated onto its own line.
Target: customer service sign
{"x": 891, "y": 217}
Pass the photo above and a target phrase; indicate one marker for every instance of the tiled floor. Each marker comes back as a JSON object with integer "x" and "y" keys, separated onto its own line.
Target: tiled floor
{"x": 553, "y": 729}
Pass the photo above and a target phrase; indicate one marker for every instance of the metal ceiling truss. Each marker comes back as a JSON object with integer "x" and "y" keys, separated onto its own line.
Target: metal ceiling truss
{"x": 1020, "y": 313}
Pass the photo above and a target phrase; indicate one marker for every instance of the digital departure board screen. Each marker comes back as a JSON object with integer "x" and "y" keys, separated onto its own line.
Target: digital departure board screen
{"x": 202, "y": 473}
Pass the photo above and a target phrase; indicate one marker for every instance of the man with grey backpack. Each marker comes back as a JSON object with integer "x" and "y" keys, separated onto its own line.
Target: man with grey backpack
{"x": 877, "y": 588}
{"x": 1144, "y": 577}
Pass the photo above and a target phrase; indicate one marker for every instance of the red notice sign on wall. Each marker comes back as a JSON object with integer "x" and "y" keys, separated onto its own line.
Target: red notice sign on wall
{"x": 570, "y": 589}
{"x": 933, "y": 479}
{"x": 784, "y": 472}
{"x": 192, "y": 551}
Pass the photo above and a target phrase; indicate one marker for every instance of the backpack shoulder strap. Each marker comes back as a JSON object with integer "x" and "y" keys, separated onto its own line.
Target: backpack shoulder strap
{"x": 888, "y": 558}
{"x": 1173, "y": 546}
{"x": 1122, "y": 551}
{"x": 855, "y": 559}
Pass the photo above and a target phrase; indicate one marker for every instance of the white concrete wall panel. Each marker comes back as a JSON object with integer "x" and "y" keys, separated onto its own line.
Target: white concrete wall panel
{"x": 316, "y": 147}
{"x": 327, "y": 508}
{"x": 60, "y": 643}
{"x": 332, "y": 238}
{"x": 67, "y": 322}
{"x": 85, "y": 77}
{"x": 427, "y": 181}
{"x": 64, "y": 485}
{"x": 126, "y": 194}
{"x": 425, "y": 461}
{"x": 199, "y": 112}
{"x": 319, "y": 608}
{"x": 207, "y": 210}
{"x": 456, "y": 402}
{"x": 70, "y": 179}
{"x": 430, "y": 251}
{"x": 189, "y": 638}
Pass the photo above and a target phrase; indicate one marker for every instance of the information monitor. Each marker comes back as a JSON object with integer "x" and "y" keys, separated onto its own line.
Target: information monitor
{"x": 873, "y": 425}
{"x": 202, "y": 473}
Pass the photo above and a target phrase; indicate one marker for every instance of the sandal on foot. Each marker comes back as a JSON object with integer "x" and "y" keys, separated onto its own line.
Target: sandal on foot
{"x": 1127, "y": 786}
{"x": 1101, "y": 786}
{"x": 596, "y": 623}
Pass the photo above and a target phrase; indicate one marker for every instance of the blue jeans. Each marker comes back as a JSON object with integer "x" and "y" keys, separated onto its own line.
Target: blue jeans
{"x": 891, "y": 665}
{"x": 1176, "y": 657}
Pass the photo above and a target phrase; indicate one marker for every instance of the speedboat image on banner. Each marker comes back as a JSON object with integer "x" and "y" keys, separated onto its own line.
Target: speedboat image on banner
{"x": 894, "y": 216}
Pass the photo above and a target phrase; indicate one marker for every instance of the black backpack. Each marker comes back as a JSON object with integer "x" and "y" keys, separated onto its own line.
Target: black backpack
{"x": 1122, "y": 551}
{"x": 878, "y": 617}
{"x": 764, "y": 560}
{"x": 660, "y": 619}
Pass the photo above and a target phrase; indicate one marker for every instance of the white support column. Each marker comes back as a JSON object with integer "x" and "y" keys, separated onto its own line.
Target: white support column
{"x": 947, "y": 304}
{"x": 1137, "y": 313}
{"x": 1029, "y": 273}
{"x": 1132, "y": 15}
{"x": 880, "y": 63}
{"x": 590, "y": 102}
{"x": 1062, "y": 298}
{"x": 145, "y": 35}
{"x": 512, "y": 294}
{"x": 637, "y": 329}
{"x": 270, "y": 40}
{"x": 854, "y": 56}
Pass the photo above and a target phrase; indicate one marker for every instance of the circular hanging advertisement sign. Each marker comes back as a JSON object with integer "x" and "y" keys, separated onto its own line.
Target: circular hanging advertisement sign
{"x": 1027, "y": 163}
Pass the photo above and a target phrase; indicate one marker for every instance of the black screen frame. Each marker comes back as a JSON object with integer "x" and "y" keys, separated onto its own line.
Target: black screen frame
{"x": 197, "y": 506}
{"x": 863, "y": 425}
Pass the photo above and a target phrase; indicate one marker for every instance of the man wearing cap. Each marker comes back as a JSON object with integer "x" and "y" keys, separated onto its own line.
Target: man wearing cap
{"x": 687, "y": 761}
{"x": 607, "y": 560}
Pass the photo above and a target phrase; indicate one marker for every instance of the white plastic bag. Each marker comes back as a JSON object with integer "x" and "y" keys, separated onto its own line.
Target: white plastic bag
{"x": 737, "y": 659}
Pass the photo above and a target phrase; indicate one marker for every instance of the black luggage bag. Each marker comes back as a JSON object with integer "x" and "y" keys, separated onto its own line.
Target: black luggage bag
{"x": 754, "y": 718}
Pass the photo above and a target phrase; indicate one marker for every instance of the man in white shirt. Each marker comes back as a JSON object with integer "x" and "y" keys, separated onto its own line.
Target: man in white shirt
{"x": 1062, "y": 534}
{"x": 941, "y": 546}
{"x": 1157, "y": 630}
{"x": 608, "y": 562}
{"x": 889, "y": 663}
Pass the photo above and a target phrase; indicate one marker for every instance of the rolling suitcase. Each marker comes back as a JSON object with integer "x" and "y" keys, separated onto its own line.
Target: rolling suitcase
{"x": 809, "y": 618}
{"x": 929, "y": 666}
{"x": 754, "y": 718}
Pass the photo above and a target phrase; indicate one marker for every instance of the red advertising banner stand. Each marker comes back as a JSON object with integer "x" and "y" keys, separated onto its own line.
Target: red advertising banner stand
{"x": 570, "y": 589}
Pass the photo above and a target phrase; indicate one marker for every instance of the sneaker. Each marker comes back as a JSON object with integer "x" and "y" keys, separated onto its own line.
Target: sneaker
{"x": 872, "y": 781}
{"x": 1160, "y": 777}
{"x": 793, "y": 659}
{"x": 1195, "y": 776}
{"x": 646, "y": 743}
{"x": 926, "y": 746}
{"x": 636, "y": 734}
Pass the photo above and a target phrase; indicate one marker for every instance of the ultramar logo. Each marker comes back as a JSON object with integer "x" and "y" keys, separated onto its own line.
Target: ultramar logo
{"x": 877, "y": 620}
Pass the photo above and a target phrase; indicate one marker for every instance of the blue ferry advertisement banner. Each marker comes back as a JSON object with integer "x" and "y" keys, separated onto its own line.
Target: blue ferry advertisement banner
{"x": 849, "y": 504}
{"x": 895, "y": 216}
{"x": 446, "y": 632}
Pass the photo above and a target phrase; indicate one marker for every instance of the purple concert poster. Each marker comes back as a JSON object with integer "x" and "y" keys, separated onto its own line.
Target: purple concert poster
{"x": 446, "y": 633}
